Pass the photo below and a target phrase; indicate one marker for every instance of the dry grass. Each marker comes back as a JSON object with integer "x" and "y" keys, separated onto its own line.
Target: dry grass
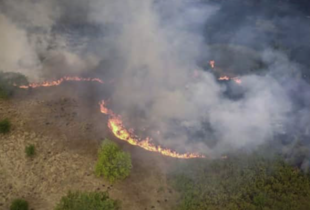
{"x": 66, "y": 137}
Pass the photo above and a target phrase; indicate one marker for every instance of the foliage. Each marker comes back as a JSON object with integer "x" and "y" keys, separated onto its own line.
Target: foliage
{"x": 19, "y": 204}
{"x": 30, "y": 150}
{"x": 243, "y": 183}
{"x": 5, "y": 126}
{"x": 9, "y": 81}
{"x": 86, "y": 201}
{"x": 113, "y": 164}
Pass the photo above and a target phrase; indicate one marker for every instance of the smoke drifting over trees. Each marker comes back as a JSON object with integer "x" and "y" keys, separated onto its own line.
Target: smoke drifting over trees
{"x": 151, "y": 49}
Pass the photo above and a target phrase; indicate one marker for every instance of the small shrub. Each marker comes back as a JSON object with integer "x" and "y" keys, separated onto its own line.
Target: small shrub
{"x": 87, "y": 201}
{"x": 113, "y": 164}
{"x": 30, "y": 150}
{"x": 19, "y": 204}
{"x": 5, "y": 126}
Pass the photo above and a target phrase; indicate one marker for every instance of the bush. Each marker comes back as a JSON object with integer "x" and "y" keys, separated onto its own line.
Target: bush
{"x": 30, "y": 150}
{"x": 86, "y": 201}
{"x": 113, "y": 164}
{"x": 9, "y": 81}
{"x": 19, "y": 204}
{"x": 5, "y": 126}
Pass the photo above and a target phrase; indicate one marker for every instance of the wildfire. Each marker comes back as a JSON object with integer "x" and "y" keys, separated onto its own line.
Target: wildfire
{"x": 116, "y": 126}
{"x": 224, "y": 78}
{"x": 115, "y": 123}
{"x": 59, "y": 81}
{"x": 236, "y": 79}
{"x": 212, "y": 64}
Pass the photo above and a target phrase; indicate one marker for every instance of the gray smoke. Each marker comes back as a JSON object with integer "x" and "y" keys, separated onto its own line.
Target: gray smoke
{"x": 151, "y": 50}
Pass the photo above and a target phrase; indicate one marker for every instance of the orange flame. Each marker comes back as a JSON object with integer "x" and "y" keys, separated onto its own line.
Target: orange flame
{"x": 115, "y": 123}
{"x": 212, "y": 64}
{"x": 59, "y": 81}
{"x": 224, "y": 78}
{"x": 236, "y": 79}
{"x": 116, "y": 126}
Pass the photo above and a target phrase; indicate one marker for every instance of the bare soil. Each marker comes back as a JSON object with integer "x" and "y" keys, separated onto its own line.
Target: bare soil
{"x": 66, "y": 128}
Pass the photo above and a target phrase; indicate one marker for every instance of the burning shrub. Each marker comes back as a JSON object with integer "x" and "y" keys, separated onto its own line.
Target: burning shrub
{"x": 87, "y": 200}
{"x": 30, "y": 150}
{"x": 113, "y": 164}
{"x": 19, "y": 204}
{"x": 5, "y": 126}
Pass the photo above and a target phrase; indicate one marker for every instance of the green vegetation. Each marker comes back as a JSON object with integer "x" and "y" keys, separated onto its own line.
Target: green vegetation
{"x": 30, "y": 150}
{"x": 86, "y": 201}
{"x": 241, "y": 183}
{"x": 19, "y": 204}
{"x": 5, "y": 126}
{"x": 113, "y": 164}
{"x": 9, "y": 81}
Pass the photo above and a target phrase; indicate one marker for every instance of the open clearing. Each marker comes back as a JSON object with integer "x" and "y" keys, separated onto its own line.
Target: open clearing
{"x": 66, "y": 129}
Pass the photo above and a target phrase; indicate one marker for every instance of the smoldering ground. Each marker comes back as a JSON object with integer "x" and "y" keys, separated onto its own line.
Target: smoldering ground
{"x": 151, "y": 49}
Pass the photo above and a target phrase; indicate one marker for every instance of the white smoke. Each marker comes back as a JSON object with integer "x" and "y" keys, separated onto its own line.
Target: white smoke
{"x": 154, "y": 46}
{"x": 30, "y": 46}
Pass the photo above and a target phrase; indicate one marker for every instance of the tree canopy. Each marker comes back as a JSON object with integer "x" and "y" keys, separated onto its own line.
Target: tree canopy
{"x": 113, "y": 164}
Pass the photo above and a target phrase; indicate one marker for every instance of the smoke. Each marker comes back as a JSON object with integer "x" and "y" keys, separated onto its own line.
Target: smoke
{"x": 32, "y": 43}
{"x": 151, "y": 50}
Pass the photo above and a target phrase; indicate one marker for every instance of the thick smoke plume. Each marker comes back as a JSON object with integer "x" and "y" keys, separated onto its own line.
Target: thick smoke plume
{"x": 157, "y": 54}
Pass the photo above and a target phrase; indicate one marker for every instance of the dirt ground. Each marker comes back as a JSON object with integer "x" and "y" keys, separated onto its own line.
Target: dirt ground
{"x": 66, "y": 128}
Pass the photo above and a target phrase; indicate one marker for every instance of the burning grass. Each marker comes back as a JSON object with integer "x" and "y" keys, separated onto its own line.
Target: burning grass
{"x": 115, "y": 123}
{"x": 116, "y": 126}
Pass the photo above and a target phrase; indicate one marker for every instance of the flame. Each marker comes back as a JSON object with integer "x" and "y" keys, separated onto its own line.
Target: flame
{"x": 235, "y": 79}
{"x": 59, "y": 81}
{"x": 115, "y": 123}
{"x": 116, "y": 126}
{"x": 212, "y": 64}
{"x": 224, "y": 78}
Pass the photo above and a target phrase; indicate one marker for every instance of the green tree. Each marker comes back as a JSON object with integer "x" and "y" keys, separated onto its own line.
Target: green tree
{"x": 19, "y": 204}
{"x": 87, "y": 201}
{"x": 5, "y": 126}
{"x": 113, "y": 164}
